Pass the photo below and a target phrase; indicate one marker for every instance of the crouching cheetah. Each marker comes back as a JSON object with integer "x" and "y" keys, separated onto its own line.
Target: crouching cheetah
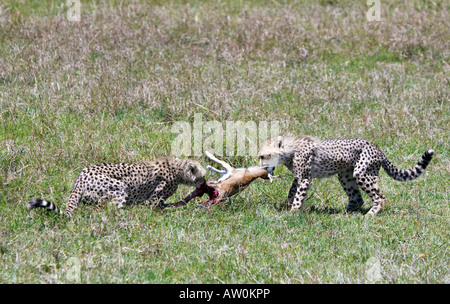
{"x": 356, "y": 162}
{"x": 130, "y": 184}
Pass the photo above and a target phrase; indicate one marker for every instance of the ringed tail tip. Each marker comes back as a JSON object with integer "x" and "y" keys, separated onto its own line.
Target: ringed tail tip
{"x": 427, "y": 156}
{"x": 33, "y": 204}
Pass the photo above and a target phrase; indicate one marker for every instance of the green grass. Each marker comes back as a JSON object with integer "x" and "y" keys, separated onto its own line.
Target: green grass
{"x": 108, "y": 88}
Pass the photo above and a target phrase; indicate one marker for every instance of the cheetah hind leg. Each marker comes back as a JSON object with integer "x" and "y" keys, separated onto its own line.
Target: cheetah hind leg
{"x": 112, "y": 191}
{"x": 369, "y": 184}
{"x": 118, "y": 198}
{"x": 348, "y": 182}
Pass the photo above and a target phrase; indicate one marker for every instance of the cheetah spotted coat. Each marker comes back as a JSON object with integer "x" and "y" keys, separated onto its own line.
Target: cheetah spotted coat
{"x": 129, "y": 184}
{"x": 356, "y": 162}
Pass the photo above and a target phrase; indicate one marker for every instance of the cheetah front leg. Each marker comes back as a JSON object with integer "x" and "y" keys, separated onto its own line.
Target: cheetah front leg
{"x": 291, "y": 194}
{"x": 162, "y": 192}
{"x": 301, "y": 192}
{"x": 302, "y": 171}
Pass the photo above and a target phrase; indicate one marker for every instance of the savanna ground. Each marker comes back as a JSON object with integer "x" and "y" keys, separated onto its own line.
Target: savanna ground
{"x": 109, "y": 87}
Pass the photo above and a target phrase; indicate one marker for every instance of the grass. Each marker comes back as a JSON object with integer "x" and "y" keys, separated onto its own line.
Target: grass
{"x": 108, "y": 88}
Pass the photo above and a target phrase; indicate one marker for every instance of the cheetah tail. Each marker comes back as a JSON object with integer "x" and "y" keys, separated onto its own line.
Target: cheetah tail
{"x": 409, "y": 174}
{"x": 44, "y": 204}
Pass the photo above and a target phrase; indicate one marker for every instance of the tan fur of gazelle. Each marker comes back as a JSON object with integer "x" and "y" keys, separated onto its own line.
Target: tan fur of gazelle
{"x": 234, "y": 180}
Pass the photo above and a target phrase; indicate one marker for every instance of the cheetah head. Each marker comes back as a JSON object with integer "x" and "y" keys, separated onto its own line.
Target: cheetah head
{"x": 271, "y": 154}
{"x": 194, "y": 174}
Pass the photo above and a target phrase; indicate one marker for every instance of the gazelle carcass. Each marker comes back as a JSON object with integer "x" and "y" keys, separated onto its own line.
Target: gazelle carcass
{"x": 234, "y": 180}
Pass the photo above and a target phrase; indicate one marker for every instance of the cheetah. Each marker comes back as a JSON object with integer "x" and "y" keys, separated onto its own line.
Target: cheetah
{"x": 130, "y": 183}
{"x": 356, "y": 162}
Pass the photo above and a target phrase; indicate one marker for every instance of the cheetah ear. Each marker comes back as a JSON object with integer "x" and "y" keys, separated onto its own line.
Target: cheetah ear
{"x": 280, "y": 141}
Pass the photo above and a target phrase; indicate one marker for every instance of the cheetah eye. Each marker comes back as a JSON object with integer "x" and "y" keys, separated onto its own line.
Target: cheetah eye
{"x": 261, "y": 157}
{"x": 192, "y": 168}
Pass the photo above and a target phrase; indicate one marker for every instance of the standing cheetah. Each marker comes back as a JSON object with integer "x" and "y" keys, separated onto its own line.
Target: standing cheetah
{"x": 356, "y": 162}
{"x": 130, "y": 184}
